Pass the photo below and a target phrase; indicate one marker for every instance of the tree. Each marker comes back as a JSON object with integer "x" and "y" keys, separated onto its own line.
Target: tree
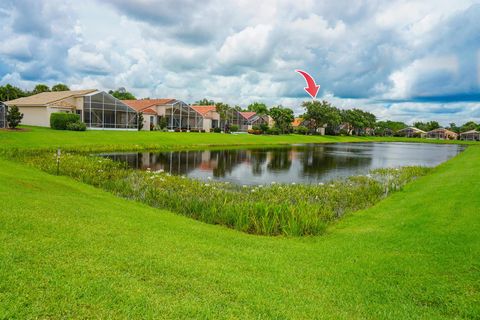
{"x": 14, "y": 117}
{"x": 388, "y": 127}
{"x": 205, "y": 102}
{"x": 39, "y": 88}
{"x": 122, "y": 94}
{"x": 283, "y": 118}
{"x": 258, "y": 107}
{"x": 139, "y": 121}
{"x": 222, "y": 109}
{"x": 9, "y": 92}
{"x": 60, "y": 87}
{"x": 358, "y": 120}
{"x": 162, "y": 123}
{"x": 318, "y": 114}
{"x": 428, "y": 126}
{"x": 453, "y": 127}
{"x": 470, "y": 125}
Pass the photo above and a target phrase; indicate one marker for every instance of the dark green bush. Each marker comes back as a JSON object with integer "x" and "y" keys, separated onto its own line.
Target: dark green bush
{"x": 234, "y": 128}
{"x": 60, "y": 120}
{"x": 264, "y": 127}
{"x": 301, "y": 130}
{"x": 273, "y": 131}
{"x": 217, "y": 130}
{"x": 76, "y": 126}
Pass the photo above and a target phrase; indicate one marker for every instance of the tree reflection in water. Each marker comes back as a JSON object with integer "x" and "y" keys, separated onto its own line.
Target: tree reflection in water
{"x": 302, "y": 164}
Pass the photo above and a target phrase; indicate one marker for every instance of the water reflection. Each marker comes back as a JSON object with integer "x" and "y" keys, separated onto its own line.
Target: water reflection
{"x": 300, "y": 164}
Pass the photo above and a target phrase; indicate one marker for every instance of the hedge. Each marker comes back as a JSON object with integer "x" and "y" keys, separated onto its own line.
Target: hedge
{"x": 60, "y": 120}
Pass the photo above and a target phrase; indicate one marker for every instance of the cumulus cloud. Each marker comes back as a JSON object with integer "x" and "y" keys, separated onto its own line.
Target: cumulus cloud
{"x": 401, "y": 59}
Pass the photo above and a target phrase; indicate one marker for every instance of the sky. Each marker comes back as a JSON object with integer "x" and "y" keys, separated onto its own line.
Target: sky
{"x": 402, "y": 60}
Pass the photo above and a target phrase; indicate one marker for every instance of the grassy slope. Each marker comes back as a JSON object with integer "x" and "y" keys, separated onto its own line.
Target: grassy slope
{"x": 70, "y": 250}
{"x": 103, "y": 140}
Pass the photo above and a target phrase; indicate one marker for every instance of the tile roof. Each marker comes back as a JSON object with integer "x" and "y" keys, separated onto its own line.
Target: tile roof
{"x": 149, "y": 111}
{"x": 248, "y": 114}
{"x": 44, "y": 98}
{"x": 203, "y": 110}
{"x": 141, "y": 104}
{"x": 470, "y": 131}
{"x": 443, "y": 130}
{"x": 412, "y": 128}
{"x": 297, "y": 121}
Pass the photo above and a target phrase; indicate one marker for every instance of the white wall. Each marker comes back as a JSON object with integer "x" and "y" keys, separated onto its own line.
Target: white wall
{"x": 35, "y": 116}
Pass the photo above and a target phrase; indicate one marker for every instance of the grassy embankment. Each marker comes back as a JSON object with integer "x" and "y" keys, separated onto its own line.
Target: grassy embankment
{"x": 70, "y": 250}
{"x": 44, "y": 138}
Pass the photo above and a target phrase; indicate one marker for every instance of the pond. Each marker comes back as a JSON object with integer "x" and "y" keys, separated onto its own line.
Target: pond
{"x": 312, "y": 163}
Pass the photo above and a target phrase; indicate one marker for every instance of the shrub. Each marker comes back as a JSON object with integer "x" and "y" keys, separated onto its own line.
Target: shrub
{"x": 344, "y": 132}
{"x": 301, "y": 130}
{"x": 273, "y": 131}
{"x": 202, "y": 130}
{"x": 60, "y": 120}
{"x": 177, "y": 130}
{"x": 217, "y": 130}
{"x": 162, "y": 123}
{"x": 234, "y": 128}
{"x": 76, "y": 126}
{"x": 14, "y": 117}
{"x": 194, "y": 130}
{"x": 255, "y": 127}
{"x": 264, "y": 127}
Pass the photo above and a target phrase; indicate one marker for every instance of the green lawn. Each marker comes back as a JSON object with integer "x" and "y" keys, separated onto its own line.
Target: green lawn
{"x": 41, "y": 138}
{"x": 69, "y": 250}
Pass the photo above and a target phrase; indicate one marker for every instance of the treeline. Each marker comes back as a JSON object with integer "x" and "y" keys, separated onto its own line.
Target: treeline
{"x": 281, "y": 116}
{"x": 10, "y": 92}
{"x": 322, "y": 115}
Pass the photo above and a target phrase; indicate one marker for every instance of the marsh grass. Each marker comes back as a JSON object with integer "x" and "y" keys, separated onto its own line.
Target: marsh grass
{"x": 276, "y": 209}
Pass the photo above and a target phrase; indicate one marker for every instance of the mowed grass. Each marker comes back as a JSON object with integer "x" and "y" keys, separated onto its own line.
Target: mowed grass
{"x": 94, "y": 140}
{"x": 69, "y": 250}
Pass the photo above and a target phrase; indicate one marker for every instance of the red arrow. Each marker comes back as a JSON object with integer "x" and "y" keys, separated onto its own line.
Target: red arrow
{"x": 312, "y": 88}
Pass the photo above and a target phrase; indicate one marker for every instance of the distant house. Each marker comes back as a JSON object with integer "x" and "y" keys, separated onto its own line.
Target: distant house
{"x": 441, "y": 133}
{"x": 208, "y": 116}
{"x": 297, "y": 122}
{"x": 251, "y": 119}
{"x": 97, "y": 109}
{"x": 3, "y": 115}
{"x": 177, "y": 113}
{"x": 412, "y": 132}
{"x": 473, "y": 135}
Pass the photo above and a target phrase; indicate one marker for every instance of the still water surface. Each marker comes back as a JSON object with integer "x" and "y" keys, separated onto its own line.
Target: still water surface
{"x": 311, "y": 163}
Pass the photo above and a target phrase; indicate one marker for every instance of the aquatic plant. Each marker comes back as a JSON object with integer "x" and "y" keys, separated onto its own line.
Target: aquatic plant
{"x": 275, "y": 209}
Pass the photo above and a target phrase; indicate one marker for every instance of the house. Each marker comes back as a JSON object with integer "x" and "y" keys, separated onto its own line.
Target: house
{"x": 209, "y": 116}
{"x": 468, "y": 135}
{"x": 97, "y": 109}
{"x": 297, "y": 122}
{"x": 251, "y": 119}
{"x": 3, "y": 115}
{"x": 411, "y": 132}
{"x": 177, "y": 114}
{"x": 441, "y": 133}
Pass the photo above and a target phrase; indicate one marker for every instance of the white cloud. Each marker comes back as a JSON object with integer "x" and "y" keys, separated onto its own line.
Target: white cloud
{"x": 248, "y": 47}
{"x": 378, "y": 55}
